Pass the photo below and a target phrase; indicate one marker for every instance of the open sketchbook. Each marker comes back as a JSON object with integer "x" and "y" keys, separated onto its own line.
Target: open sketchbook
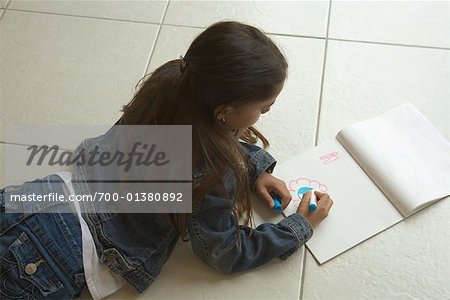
{"x": 377, "y": 172}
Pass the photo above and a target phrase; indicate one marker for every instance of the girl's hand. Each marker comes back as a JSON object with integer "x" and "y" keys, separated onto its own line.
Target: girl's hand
{"x": 268, "y": 185}
{"x": 324, "y": 203}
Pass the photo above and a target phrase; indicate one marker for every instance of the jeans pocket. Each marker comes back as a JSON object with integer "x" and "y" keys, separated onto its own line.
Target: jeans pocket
{"x": 25, "y": 274}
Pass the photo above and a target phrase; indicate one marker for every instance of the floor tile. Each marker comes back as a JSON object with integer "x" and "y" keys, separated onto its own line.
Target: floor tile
{"x": 144, "y": 11}
{"x": 288, "y": 17}
{"x": 3, "y": 3}
{"x": 291, "y": 122}
{"x": 407, "y": 261}
{"x": 173, "y": 41}
{"x": 67, "y": 70}
{"x": 14, "y": 168}
{"x": 364, "y": 80}
{"x": 424, "y": 23}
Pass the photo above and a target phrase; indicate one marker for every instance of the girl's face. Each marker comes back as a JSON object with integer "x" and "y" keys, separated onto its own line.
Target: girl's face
{"x": 246, "y": 115}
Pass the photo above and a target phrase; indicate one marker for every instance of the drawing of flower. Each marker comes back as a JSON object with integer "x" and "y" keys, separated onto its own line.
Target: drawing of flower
{"x": 297, "y": 187}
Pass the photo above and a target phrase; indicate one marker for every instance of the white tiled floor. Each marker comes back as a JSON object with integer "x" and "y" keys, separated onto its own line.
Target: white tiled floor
{"x": 67, "y": 62}
{"x": 423, "y": 23}
{"x": 143, "y": 11}
{"x": 3, "y": 3}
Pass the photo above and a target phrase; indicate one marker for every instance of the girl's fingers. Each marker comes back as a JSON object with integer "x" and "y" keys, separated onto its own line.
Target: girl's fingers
{"x": 326, "y": 200}
{"x": 284, "y": 195}
{"x": 266, "y": 196}
{"x": 305, "y": 199}
{"x": 320, "y": 195}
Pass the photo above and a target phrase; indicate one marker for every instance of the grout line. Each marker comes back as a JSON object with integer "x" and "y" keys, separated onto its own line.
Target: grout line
{"x": 202, "y": 27}
{"x": 317, "y": 126}
{"x": 390, "y": 44}
{"x": 303, "y": 273}
{"x": 184, "y": 26}
{"x": 323, "y": 77}
{"x": 28, "y": 145}
{"x": 296, "y": 35}
{"x": 156, "y": 39}
{"x": 79, "y": 16}
{"x": 4, "y": 9}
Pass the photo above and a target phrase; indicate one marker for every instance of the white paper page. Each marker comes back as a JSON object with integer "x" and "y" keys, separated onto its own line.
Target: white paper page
{"x": 404, "y": 154}
{"x": 360, "y": 209}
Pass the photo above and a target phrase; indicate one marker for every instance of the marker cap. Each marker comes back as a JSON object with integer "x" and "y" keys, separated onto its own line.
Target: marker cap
{"x": 277, "y": 207}
{"x": 313, "y": 201}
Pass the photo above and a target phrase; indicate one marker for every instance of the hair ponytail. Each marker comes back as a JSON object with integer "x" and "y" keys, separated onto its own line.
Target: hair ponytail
{"x": 229, "y": 63}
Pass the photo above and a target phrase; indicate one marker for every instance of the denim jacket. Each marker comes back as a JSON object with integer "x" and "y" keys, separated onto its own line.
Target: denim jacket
{"x": 137, "y": 245}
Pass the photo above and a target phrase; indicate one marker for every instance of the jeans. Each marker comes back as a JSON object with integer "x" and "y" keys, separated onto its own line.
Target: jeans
{"x": 40, "y": 254}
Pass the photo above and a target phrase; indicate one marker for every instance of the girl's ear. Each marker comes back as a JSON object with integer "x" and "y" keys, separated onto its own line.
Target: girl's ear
{"x": 221, "y": 111}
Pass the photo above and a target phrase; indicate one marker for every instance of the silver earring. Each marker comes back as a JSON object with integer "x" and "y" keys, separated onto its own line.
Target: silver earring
{"x": 223, "y": 120}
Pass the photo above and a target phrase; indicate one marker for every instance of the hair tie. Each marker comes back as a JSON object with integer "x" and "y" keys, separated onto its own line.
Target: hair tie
{"x": 183, "y": 64}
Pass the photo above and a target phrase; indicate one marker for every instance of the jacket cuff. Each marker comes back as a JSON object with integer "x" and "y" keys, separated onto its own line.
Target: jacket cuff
{"x": 261, "y": 161}
{"x": 300, "y": 228}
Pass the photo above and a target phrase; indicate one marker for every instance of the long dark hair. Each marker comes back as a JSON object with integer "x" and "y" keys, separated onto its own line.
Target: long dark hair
{"x": 229, "y": 63}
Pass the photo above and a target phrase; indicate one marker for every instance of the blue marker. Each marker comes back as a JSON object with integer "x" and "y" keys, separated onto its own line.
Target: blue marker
{"x": 277, "y": 207}
{"x": 313, "y": 201}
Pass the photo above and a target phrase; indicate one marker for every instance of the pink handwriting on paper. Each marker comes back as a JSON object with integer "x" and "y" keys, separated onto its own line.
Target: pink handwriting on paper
{"x": 297, "y": 187}
{"x": 330, "y": 157}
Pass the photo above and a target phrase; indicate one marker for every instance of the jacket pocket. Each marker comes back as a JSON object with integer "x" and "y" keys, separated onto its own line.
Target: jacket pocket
{"x": 25, "y": 274}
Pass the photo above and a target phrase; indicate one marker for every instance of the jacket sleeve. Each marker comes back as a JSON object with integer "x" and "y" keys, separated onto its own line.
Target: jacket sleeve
{"x": 260, "y": 161}
{"x": 216, "y": 240}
